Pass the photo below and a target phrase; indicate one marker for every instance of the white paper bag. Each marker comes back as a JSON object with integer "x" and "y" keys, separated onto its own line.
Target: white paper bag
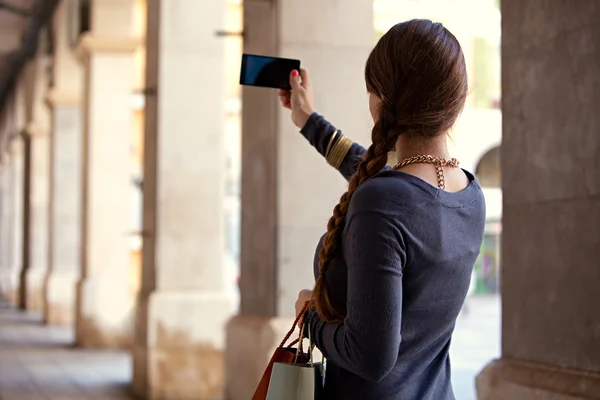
{"x": 294, "y": 382}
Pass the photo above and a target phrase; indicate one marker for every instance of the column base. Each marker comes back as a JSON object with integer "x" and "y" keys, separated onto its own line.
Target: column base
{"x": 104, "y": 313}
{"x": 251, "y": 341}
{"x": 59, "y": 307}
{"x": 15, "y": 298}
{"x": 511, "y": 379}
{"x": 180, "y": 345}
{"x": 15, "y": 286}
{"x": 5, "y": 288}
{"x": 35, "y": 290}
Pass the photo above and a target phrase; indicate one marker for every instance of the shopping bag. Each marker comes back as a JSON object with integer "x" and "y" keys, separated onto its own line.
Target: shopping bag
{"x": 291, "y": 372}
{"x": 295, "y": 382}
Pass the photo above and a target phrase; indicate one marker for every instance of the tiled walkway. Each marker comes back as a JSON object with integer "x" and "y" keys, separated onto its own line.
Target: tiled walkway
{"x": 38, "y": 362}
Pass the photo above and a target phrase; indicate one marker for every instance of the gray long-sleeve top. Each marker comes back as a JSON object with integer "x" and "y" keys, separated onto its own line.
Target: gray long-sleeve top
{"x": 408, "y": 251}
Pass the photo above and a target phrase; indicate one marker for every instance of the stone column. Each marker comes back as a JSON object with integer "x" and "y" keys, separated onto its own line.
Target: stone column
{"x": 38, "y": 131}
{"x": 18, "y": 204}
{"x": 5, "y": 245}
{"x": 551, "y": 213}
{"x": 66, "y": 153}
{"x": 17, "y": 172}
{"x": 288, "y": 190}
{"x": 7, "y": 202}
{"x": 105, "y": 299}
{"x": 65, "y": 211}
{"x": 185, "y": 299}
{"x": 39, "y": 196}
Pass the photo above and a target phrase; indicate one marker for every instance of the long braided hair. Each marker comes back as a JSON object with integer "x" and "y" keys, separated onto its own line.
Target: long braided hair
{"x": 417, "y": 70}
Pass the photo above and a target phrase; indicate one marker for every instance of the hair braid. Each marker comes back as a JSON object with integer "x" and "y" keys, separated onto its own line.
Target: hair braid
{"x": 384, "y": 140}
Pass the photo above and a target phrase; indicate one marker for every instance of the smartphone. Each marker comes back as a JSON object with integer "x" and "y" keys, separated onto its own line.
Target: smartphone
{"x": 270, "y": 72}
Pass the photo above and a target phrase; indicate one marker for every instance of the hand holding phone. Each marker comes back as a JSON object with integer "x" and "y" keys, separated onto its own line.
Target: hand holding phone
{"x": 270, "y": 72}
{"x": 285, "y": 74}
{"x": 300, "y": 98}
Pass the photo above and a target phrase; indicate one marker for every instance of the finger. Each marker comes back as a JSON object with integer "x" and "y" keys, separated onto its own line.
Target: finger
{"x": 305, "y": 77}
{"x": 287, "y": 95}
{"x": 283, "y": 92}
{"x": 285, "y": 101}
{"x": 295, "y": 81}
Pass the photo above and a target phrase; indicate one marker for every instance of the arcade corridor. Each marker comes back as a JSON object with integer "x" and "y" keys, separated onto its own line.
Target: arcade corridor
{"x": 38, "y": 362}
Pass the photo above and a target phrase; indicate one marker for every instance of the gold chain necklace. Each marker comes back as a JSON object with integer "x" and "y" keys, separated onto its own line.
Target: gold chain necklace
{"x": 439, "y": 162}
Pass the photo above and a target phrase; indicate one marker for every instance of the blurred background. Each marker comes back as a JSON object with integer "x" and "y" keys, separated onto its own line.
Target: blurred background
{"x": 158, "y": 220}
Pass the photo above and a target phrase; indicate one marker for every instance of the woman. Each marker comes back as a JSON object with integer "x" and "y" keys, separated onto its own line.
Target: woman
{"x": 393, "y": 269}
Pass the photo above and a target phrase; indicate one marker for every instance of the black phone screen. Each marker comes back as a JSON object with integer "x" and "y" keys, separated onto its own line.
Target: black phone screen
{"x": 271, "y": 72}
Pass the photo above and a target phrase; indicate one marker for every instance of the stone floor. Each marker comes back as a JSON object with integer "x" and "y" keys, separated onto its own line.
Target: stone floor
{"x": 38, "y": 362}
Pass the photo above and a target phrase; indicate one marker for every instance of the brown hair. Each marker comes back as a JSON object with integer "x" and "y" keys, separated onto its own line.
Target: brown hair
{"x": 418, "y": 71}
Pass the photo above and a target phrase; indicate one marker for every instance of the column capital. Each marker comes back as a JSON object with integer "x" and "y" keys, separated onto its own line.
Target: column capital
{"x": 4, "y": 159}
{"x": 34, "y": 130}
{"x": 90, "y": 43}
{"x": 15, "y": 146}
{"x": 62, "y": 98}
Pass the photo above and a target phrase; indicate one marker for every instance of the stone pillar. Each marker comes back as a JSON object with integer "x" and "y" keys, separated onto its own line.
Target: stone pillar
{"x": 105, "y": 299}
{"x": 288, "y": 190}
{"x": 551, "y": 214}
{"x": 38, "y": 251}
{"x": 66, "y": 152}
{"x": 65, "y": 211}
{"x": 185, "y": 299}
{"x": 18, "y": 204}
{"x": 6, "y": 174}
{"x": 17, "y": 172}
{"x": 5, "y": 245}
{"x": 38, "y": 131}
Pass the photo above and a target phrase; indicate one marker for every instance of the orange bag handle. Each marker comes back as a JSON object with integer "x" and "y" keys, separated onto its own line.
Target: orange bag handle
{"x": 298, "y": 317}
{"x": 280, "y": 356}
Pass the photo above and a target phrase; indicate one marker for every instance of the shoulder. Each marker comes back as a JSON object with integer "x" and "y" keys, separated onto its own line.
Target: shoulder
{"x": 373, "y": 223}
{"x": 386, "y": 193}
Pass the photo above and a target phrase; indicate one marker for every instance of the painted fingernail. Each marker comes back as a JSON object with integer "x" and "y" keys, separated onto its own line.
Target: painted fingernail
{"x": 294, "y": 73}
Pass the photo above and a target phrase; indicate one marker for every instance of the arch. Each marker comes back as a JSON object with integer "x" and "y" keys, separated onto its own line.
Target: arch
{"x": 488, "y": 169}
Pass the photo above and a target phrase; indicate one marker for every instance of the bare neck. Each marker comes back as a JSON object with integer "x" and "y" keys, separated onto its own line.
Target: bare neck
{"x": 407, "y": 146}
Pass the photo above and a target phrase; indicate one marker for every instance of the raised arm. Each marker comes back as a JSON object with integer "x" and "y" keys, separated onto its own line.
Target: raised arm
{"x": 339, "y": 151}
{"x": 367, "y": 342}
{"x": 325, "y": 137}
